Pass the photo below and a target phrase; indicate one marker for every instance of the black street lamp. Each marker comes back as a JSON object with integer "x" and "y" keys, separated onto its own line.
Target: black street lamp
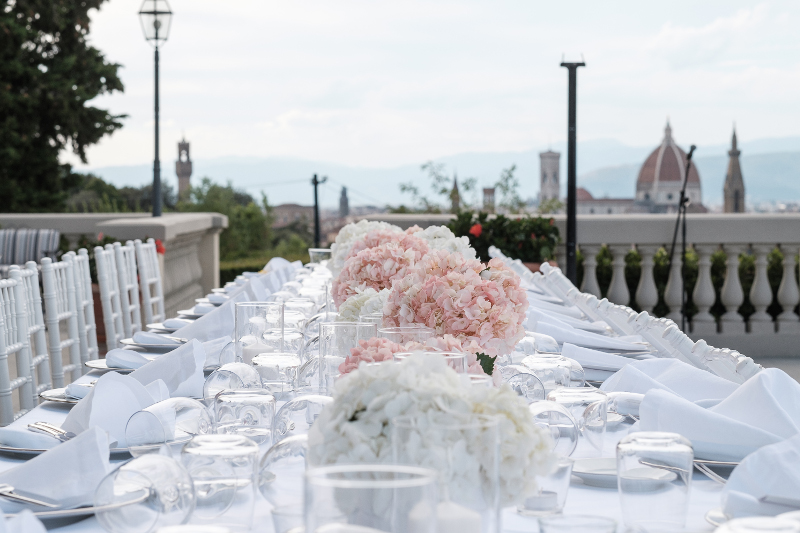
{"x": 156, "y": 17}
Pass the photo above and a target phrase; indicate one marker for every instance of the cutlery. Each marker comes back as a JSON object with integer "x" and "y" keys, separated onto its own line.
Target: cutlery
{"x": 704, "y": 468}
{"x": 53, "y": 431}
{"x": 7, "y": 491}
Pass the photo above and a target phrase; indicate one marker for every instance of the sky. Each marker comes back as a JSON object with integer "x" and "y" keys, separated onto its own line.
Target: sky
{"x": 379, "y": 84}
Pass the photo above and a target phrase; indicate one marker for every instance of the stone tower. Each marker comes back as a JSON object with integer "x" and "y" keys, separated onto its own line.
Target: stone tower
{"x": 455, "y": 197}
{"x": 549, "y": 187}
{"x": 488, "y": 199}
{"x": 344, "y": 204}
{"x": 734, "y": 183}
{"x": 183, "y": 168}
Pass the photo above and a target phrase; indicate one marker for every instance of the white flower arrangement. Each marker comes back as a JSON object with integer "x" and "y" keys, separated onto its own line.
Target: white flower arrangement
{"x": 348, "y": 235}
{"x": 441, "y": 238}
{"x": 356, "y": 427}
{"x": 365, "y": 302}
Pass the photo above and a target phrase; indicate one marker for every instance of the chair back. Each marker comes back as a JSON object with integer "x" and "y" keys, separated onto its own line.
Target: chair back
{"x": 128, "y": 284}
{"x": 84, "y": 298}
{"x": 150, "y": 280}
{"x": 109, "y": 296}
{"x": 14, "y": 340}
{"x": 60, "y": 306}
{"x": 37, "y": 341}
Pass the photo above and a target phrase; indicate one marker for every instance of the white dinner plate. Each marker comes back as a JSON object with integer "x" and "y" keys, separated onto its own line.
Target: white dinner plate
{"x": 153, "y": 347}
{"x": 716, "y": 517}
{"x": 206, "y": 301}
{"x": 100, "y": 364}
{"x": 159, "y": 327}
{"x": 188, "y": 313}
{"x": 602, "y": 472}
{"x": 58, "y": 395}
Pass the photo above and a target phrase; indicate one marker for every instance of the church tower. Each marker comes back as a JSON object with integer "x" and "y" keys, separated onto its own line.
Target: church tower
{"x": 734, "y": 183}
{"x": 183, "y": 168}
{"x": 549, "y": 186}
{"x": 455, "y": 197}
{"x": 344, "y": 204}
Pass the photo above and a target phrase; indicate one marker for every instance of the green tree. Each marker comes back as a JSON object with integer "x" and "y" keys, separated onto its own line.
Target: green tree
{"x": 442, "y": 186}
{"x": 48, "y": 73}
{"x": 508, "y": 188}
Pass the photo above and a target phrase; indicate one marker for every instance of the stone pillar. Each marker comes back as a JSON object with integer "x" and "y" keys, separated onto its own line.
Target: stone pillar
{"x": 618, "y": 289}
{"x": 704, "y": 296}
{"x": 788, "y": 293}
{"x": 761, "y": 292}
{"x": 590, "y": 284}
{"x": 732, "y": 295}
{"x": 674, "y": 288}
{"x": 646, "y": 291}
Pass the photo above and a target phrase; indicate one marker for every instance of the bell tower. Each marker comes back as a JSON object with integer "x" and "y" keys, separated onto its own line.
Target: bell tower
{"x": 734, "y": 182}
{"x": 183, "y": 168}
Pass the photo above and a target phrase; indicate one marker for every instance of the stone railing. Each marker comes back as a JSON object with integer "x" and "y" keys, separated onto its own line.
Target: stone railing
{"x": 190, "y": 265}
{"x": 734, "y": 234}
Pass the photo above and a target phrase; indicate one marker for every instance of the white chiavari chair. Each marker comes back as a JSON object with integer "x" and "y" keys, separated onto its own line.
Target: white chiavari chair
{"x": 60, "y": 306}
{"x": 37, "y": 341}
{"x": 84, "y": 299}
{"x": 128, "y": 286}
{"x": 14, "y": 340}
{"x": 150, "y": 281}
{"x": 109, "y": 296}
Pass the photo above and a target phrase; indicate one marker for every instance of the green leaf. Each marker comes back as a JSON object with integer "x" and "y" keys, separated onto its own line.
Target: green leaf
{"x": 487, "y": 363}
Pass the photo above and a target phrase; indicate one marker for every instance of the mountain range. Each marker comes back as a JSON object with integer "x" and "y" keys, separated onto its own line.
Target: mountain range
{"x": 606, "y": 167}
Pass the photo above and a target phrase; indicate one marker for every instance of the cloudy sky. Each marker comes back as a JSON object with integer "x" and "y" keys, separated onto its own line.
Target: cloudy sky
{"x": 378, "y": 83}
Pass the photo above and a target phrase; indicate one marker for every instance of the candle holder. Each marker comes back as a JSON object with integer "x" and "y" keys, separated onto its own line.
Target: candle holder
{"x": 251, "y": 321}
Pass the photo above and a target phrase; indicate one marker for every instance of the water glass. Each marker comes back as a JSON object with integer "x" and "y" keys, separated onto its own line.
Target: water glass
{"x": 287, "y": 340}
{"x": 292, "y": 286}
{"x": 537, "y": 343}
{"x": 288, "y": 518}
{"x": 589, "y": 408}
{"x": 559, "y": 422}
{"x": 552, "y": 491}
{"x": 245, "y": 412}
{"x": 553, "y": 370}
{"x": 577, "y": 524}
{"x": 293, "y": 319}
{"x": 372, "y": 318}
{"x": 404, "y": 334}
{"x": 466, "y": 457}
{"x": 231, "y": 376}
{"x": 654, "y": 476}
{"x": 312, "y": 326}
{"x": 223, "y": 469}
{"x": 145, "y": 494}
{"x": 296, "y": 416}
{"x": 523, "y": 382}
{"x": 455, "y": 360}
{"x": 278, "y": 478}
{"x": 173, "y": 421}
{"x": 251, "y": 321}
{"x": 302, "y": 305}
{"x": 319, "y": 255}
{"x": 370, "y": 498}
{"x": 279, "y": 372}
{"x": 335, "y": 342}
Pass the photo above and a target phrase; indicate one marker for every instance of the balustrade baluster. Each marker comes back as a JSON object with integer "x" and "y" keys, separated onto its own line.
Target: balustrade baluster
{"x": 704, "y": 296}
{"x": 618, "y": 289}
{"x": 646, "y": 291}
{"x": 672, "y": 292}
{"x": 732, "y": 295}
{"x": 761, "y": 292}
{"x": 590, "y": 284}
{"x": 788, "y": 293}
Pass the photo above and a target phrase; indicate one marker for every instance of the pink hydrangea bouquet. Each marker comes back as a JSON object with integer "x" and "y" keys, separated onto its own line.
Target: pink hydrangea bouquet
{"x": 473, "y": 302}
{"x": 383, "y": 236}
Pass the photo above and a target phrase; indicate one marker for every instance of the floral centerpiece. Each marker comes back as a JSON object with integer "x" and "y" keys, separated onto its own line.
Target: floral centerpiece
{"x": 348, "y": 235}
{"x": 441, "y": 238}
{"x": 363, "y": 302}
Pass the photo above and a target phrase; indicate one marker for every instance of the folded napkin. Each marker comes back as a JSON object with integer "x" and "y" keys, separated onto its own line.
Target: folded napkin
{"x": 276, "y": 263}
{"x": 22, "y": 437}
{"x": 570, "y": 311}
{"x": 215, "y": 324}
{"x": 78, "y": 390}
{"x": 181, "y": 370}
{"x": 177, "y": 323}
{"x": 589, "y": 358}
{"x": 146, "y": 337}
{"x": 122, "y": 358}
{"x": 585, "y": 338}
{"x": 535, "y": 316}
{"x": 23, "y": 522}
{"x": 69, "y": 473}
{"x": 202, "y": 309}
{"x": 213, "y": 348}
{"x": 670, "y": 375}
{"x": 216, "y": 298}
{"x": 271, "y": 282}
{"x": 772, "y": 472}
{"x": 763, "y": 410}
{"x": 256, "y": 290}
{"x": 109, "y": 405}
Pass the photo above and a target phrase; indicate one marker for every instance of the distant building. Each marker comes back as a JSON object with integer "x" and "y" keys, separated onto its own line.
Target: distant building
{"x": 455, "y": 198}
{"x": 488, "y": 199}
{"x": 549, "y": 186}
{"x": 344, "y": 204}
{"x": 183, "y": 168}
{"x": 286, "y": 214}
{"x": 589, "y": 205}
{"x": 733, "y": 190}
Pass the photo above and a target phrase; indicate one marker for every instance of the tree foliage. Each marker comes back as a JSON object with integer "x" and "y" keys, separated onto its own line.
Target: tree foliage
{"x": 441, "y": 185}
{"x": 93, "y": 195}
{"x": 48, "y": 74}
{"x": 507, "y": 188}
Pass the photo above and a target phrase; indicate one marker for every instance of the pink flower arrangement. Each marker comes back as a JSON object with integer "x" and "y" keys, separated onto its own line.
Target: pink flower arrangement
{"x": 382, "y": 236}
{"x": 373, "y": 268}
{"x": 461, "y": 297}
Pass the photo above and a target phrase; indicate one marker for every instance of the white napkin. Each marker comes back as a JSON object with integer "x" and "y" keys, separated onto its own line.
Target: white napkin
{"x": 570, "y": 311}
{"x": 22, "y": 522}
{"x": 213, "y": 349}
{"x": 535, "y": 316}
{"x": 763, "y": 410}
{"x": 122, "y": 358}
{"x": 78, "y": 390}
{"x": 108, "y": 406}
{"x": 585, "y": 338}
{"x": 22, "y": 437}
{"x": 589, "y": 358}
{"x": 213, "y": 325}
{"x": 202, "y": 309}
{"x": 256, "y": 289}
{"x": 146, "y": 337}
{"x": 176, "y": 323}
{"x": 772, "y": 471}
{"x": 69, "y": 473}
{"x": 216, "y": 298}
{"x": 270, "y": 282}
{"x": 670, "y": 375}
{"x": 181, "y": 370}
{"x": 276, "y": 263}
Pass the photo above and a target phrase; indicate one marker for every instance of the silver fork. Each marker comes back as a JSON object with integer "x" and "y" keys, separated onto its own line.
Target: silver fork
{"x": 53, "y": 431}
{"x": 7, "y": 491}
{"x": 704, "y": 468}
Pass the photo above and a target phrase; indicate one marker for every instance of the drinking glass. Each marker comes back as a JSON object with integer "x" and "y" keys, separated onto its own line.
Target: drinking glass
{"x": 654, "y": 476}
{"x": 589, "y": 408}
{"x": 319, "y": 255}
{"x": 372, "y": 318}
{"x": 287, "y": 341}
{"x": 292, "y": 286}
{"x": 173, "y": 421}
{"x": 251, "y": 321}
{"x": 144, "y": 494}
{"x": 302, "y": 305}
{"x": 312, "y": 326}
{"x": 278, "y": 472}
{"x": 294, "y": 320}
{"x": 577, "y": 524}
{"x": 286, "y": 518}
{"x": 555, "y": 371}
{"x": 559, "y": 422}
{"x": 296, "y": 416}
{"x": 370, "y": 499}
{"x": 404, "y": 334}
{"x": 317, "y": 293}
{"x": 537, "y": 343}
{"x": 523, "y": 382}
{"x": 551, "y": 490}
{"x": 281, "y": 296}
{"x": 279, "y": 372}
{"x": 466, "y": 457}
{"x": 335, "y": 342}
{"x": 455, "y": 360}
{"x": 223, "y": 468}
{"x": 245, "y": 412}
{"x": 231, "y": 376}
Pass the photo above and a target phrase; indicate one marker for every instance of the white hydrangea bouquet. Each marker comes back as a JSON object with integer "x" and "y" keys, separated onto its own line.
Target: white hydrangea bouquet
{"x": 356, "y": 427}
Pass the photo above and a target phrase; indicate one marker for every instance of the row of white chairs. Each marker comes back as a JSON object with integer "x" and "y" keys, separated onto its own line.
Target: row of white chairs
{"x": 37, "y": 327}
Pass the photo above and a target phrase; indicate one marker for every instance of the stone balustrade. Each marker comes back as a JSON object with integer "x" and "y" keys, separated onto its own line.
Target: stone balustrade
{"x": 190, "y": 264}
{"x": 734, "y": 234}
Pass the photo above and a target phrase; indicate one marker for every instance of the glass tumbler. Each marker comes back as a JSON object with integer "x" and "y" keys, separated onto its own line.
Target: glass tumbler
{"x": 223, "y": 469}
{"x": 466, "y": 457}
{"x": 372, "y": 318}
{"x": 589, "y": 408}
{"x": 555, "y": 371}
{"x": 654, "y": 476}
{"x": 404, "y": 334}
{"x": 302, "y": 305}
{"x": 173, "y": 422}
{"x": 231, "y": 376}
{"x": 145, "y": 494}
{"x": 319, "y": 255}
{"x": 552, "y": 491}
{"x": 278, "y": 372}
{"x": 336, "y": 339}
{"x": 296, "y": 416}
{"x": 559, "y": 422}
{"x": 455, "y": 360}
{"x": 251, "y": 321}
{"x": 245, "y": 412}
{"x": 523, "y": 382}
{"x": 370, "y": 499}
{"x": 278, "y": 477}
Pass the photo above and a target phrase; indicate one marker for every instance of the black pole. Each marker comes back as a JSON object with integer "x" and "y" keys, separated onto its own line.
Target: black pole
{"x": 315, "y": 182}
{"x": 156, "y": 162}
{"x": 572, "y": 266}
{"x": 681, "y": 221}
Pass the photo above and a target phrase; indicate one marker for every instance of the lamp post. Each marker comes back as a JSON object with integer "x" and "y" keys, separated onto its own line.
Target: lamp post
{"x": 156, "y": 16}
{"x": 572, "y": 260}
